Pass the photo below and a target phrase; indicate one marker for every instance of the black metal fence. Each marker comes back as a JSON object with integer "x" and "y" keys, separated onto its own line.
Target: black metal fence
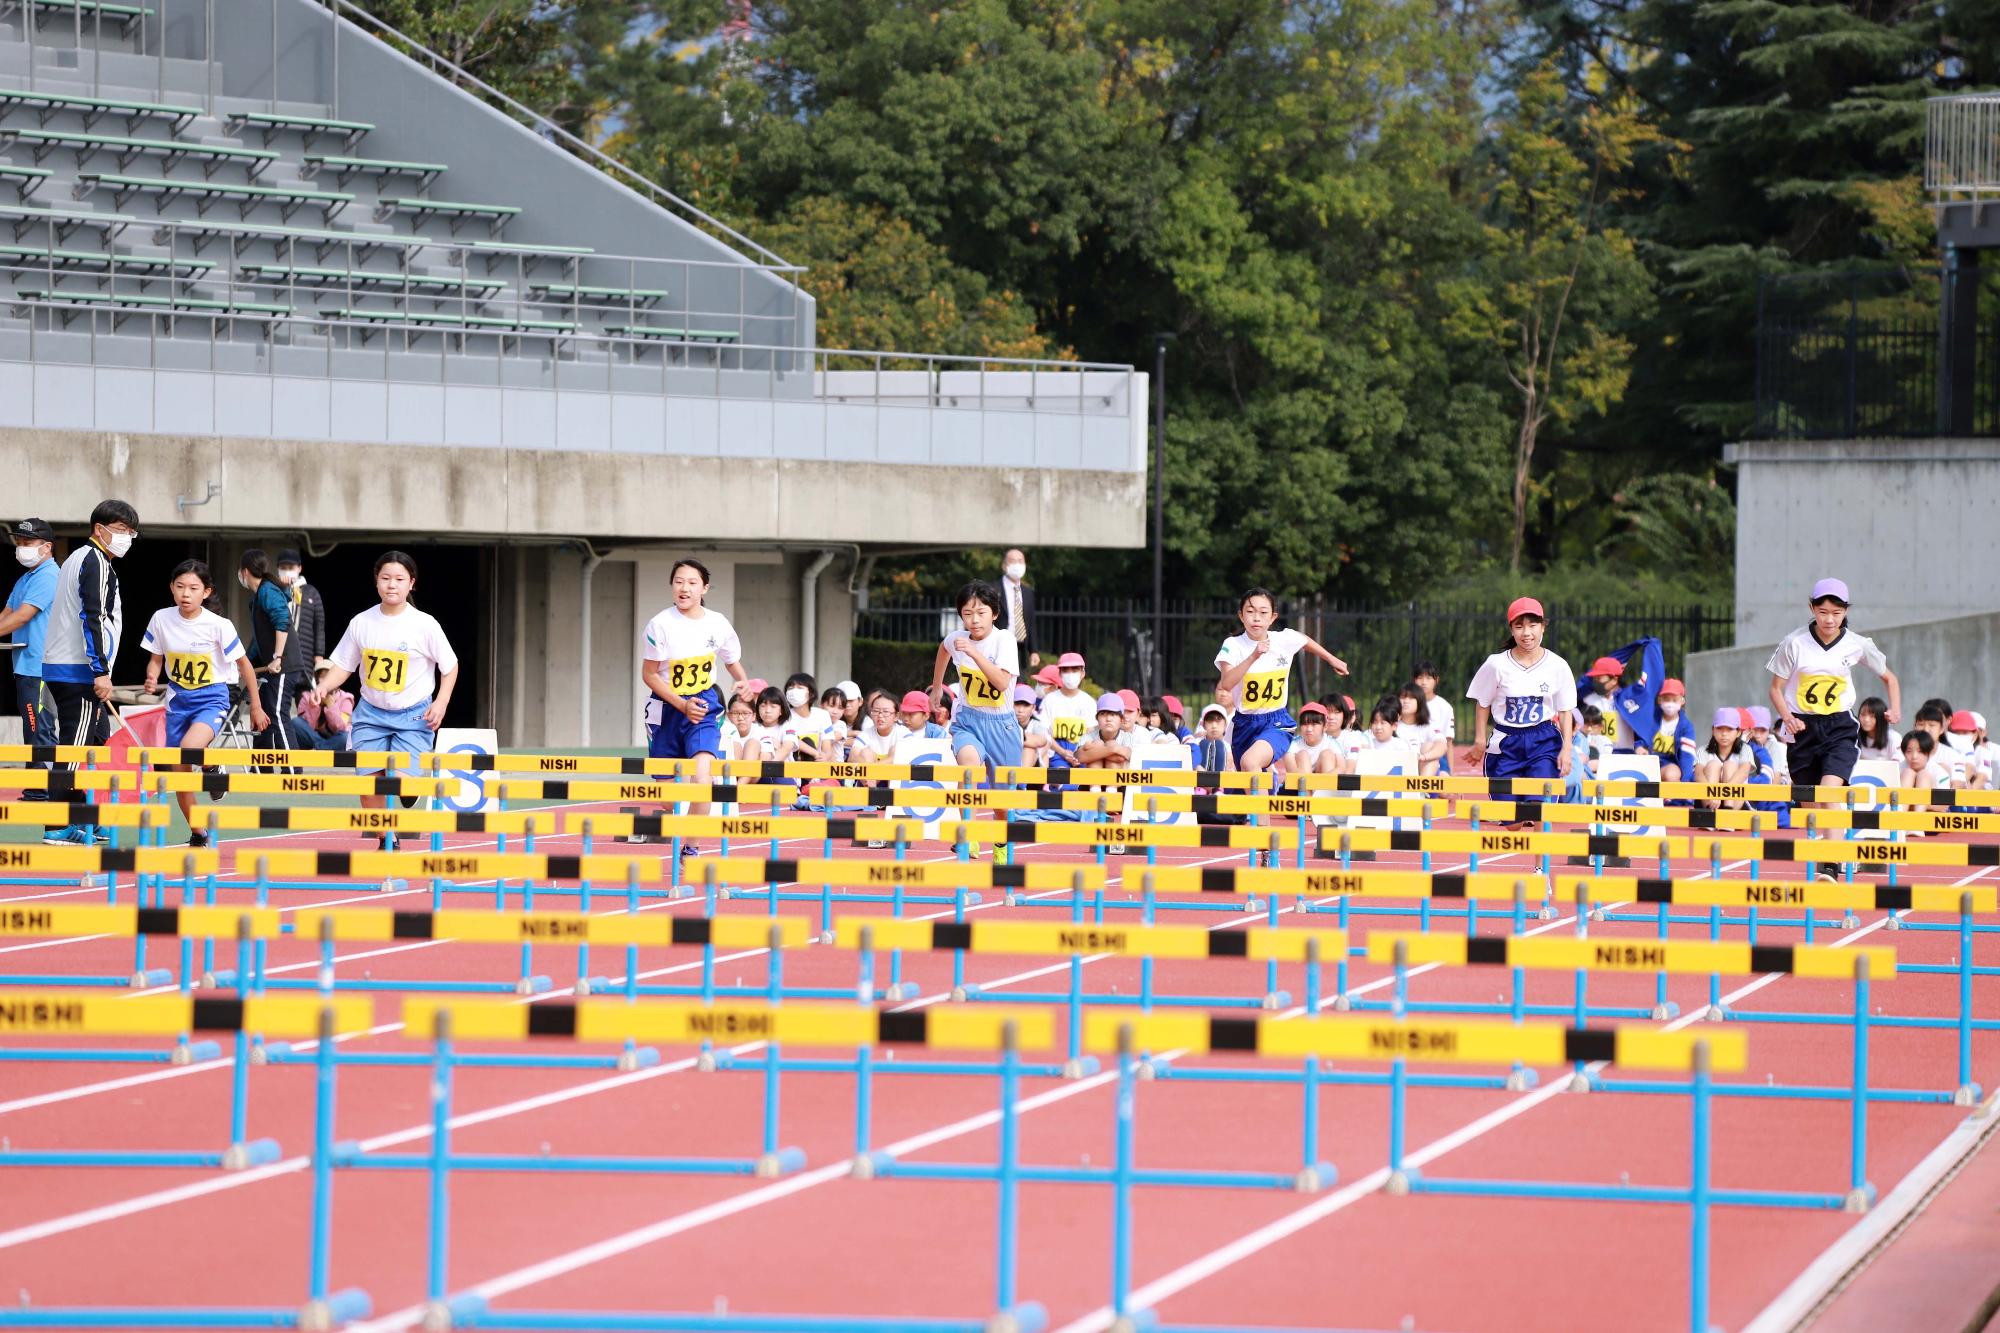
{"x": 1378, "y": 642}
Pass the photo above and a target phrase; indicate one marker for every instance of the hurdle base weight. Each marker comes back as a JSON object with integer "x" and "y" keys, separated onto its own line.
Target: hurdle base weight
{"x": 533, "y": 986}
{"x": 1027, "y": 1317}
{"x": 1663, "y": 1012}
{"x": 1715, "y": 1013}
{"x": 1342, "y": 1004}
{"x": 343, "y": 1307}
{"x": 640, "y": 1057}
{"x": 1399, "y": 1182}
{"x": 436, "y": 1318}
{"x": 151, "y": 976}
{"x": 1520, "y": 1080}
{"x": 1969, "y": 1095}
{"x": 1140, "y": 1321}
{"x": 220, "y": 979}
{"x": 1276, "y": 1000}
{"x": 1314, "y": 1178}
{"x": 395, "y": 885}
{"x": 784, "y": 1162}
{"x": 1582, "y": 1083}
{"x": 1859, "y": 1200}
{"x": 257, "y": 1152}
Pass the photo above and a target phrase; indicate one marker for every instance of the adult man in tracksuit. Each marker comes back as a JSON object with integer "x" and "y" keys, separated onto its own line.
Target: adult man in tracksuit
{"x": 85, "y": 625}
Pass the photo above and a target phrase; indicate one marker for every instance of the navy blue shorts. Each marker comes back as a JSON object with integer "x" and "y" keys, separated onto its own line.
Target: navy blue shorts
{"x": 1826, "y": 747}
{"x": 678, "y": 738}
{"x": 1526, "y": 754}
{"x": 1274, "y": 729}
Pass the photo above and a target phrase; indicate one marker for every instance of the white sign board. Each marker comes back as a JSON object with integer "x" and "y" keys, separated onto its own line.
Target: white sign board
{"x": 469, "y": 795}
{"x": 926, "y": 750}
{"x": 1158, "y": 755}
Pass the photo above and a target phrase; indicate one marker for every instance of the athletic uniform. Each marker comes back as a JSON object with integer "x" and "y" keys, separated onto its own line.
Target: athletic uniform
{"x": 1819, "y": 683}
{"x": 1892, "y": 751}
{"x": 1328, "y": 744}
{"x": 201, "y": 656}
{"x": 692, "y": 654}
{"x": 1524, "y": 702}
{"x": 1443, "y": 726}
{"x": 985, "y": 720}
{"x": 1261, "y": 696}
{"x": 1071, "y": 717}
{"x": 872, "y": 747}
{"x": 399, "y": 659}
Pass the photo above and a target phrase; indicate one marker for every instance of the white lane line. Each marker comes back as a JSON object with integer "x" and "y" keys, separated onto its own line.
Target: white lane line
{"x": 1187, "y": 1275}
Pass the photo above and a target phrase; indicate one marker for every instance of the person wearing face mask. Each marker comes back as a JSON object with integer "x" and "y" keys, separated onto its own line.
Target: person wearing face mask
{"x": 1069, "y": 712}
{"x": 86, "y": 622}
{"x": 271, "y": 617}
{"x": 1017, "y": 607}
{"x": 306, "y": 643}
{"x": 1674, "y": 739}
{"x": 27, "y": 619}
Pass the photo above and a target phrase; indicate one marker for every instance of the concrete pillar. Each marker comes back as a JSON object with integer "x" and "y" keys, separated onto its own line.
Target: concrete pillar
{"x": 1958, "y": 334}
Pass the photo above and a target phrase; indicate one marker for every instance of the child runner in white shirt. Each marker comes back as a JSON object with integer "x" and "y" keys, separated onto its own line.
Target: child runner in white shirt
{"x": 1256, "y": 668}
{"x": 1812, "y": 689}
{"x": 403, "y": 656}
{"x": 1528, "y": 695}
{"x": 983, "y": 731}
{"x": 197, "y": 647}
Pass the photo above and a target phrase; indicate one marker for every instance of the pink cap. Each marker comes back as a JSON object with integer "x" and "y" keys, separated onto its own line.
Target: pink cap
{"x": 1173, "y": 703}
{"x": 1727, "y": 717}
{"x": 916, "y": 701}
{"x": 1833, "y": 588}
{"x": 1527, "y": 606}
{"x": 1963, "y": 720}
{"x": 757, "y": 684}
{"x": 1048, "y": 675}
{"x": 1130, "y": 699}
{"x": 1313, "y": 710}
{"x": 1068, "y": 660}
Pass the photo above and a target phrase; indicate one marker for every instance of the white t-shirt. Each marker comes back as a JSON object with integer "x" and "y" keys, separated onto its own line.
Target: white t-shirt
{"x": 1986, "y": 758}
{"x": 399, "y": 657}
{"x": 692, "y": 650}
{"x": 198, "y": 652}
{"x": 764, "y": 739}
{"x": 1819, "y": 678}
{"x": 1443, "y": 725}
{"x": 1930, "y": 777}
{"x": 1519, "y": 696}
{"x": 1328, "y": 744}
{"x": 871, "y": 745}
{"x": 1267, "y": 686}
{"x": 815, "y": 722}
{"x": 1863, "y": 750}
{"x": 1352, "y": 742}
{"x": 1070, "y": 717}
{"x": 1395, "y": 743}
{"x": 1418, "y": 734}
{"x": 1611, "y": 728}
{"x": 1001, "y": 649}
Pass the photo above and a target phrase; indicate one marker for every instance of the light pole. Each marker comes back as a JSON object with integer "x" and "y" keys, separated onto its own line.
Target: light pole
{"x": 1160, "y": 341}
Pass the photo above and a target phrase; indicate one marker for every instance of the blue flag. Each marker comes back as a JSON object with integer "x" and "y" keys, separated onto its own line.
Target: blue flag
{"x": 1638, "y": 701}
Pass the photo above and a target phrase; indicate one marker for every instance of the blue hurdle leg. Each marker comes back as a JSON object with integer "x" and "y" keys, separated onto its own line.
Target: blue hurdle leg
{"x": 1699, "y": 1190}
{"x": 436, "y": 1272}
{"x": 1860, "y": 1193}
{"x": 1121, "y": 1181}
{"x": 1968, "y": 1091}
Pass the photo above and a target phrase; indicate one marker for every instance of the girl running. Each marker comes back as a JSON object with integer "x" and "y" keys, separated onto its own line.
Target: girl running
{"x": 684, "y": 645}
{"x": 984, "y": 731}
{"x": 402, "y": 655}
{"x": 1528, "y": 694}
{"x": 1259, "y": 660}
{"x": 1812, "y": 689}
{"x": 197, "y": 647}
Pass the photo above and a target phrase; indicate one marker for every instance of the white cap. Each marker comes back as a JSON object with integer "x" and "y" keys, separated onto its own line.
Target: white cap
{"x": 849, "y": 690}
{"x": 1979, "y": 721}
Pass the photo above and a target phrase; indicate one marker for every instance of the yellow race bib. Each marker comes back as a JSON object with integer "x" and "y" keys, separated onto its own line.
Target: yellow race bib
{"x": 691, "y": 675}
{"x": 1608, "y": 726}
{"x": 1068, "y": 730}
{"x": 1264, "y": 692}
{"x": 385, "y": 669}
{"x": 979, "y": 691}
{"x": 1822, "y": 695}
{"x": 190, "y": 671}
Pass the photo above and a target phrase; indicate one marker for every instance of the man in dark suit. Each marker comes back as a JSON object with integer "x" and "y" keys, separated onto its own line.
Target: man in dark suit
{"x": 1019, "y": 600}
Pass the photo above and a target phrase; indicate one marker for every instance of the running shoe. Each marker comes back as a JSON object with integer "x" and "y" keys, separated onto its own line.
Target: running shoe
{"x": 637, "y": 839}
{"x": 73, "y": 836}
{"x": 100, "y": 834}
{"x": 33, "y": 794}
{"x": 213, "y": 771}
{"x": 383, "y": 843}
{"x": 197, "y": 839}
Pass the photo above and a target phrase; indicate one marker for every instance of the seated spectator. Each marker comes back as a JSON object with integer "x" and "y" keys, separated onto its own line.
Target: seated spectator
{"x": 1987, "y": 750}
{"x": 1316, "y": 750}
{"x": 1035, "y": 738}
{"x": 1587, "y": 742}
{"x": 1211, "y": 747}
{"x": 768, "y": 738}
{"x": 1347, "y": 738}
{"x": 737, "y": 719}
{"x": 850, "y": 703}
{"x": 1048, "y": 678}
{"x": 833, "y": 740}
{"x": 1969, "y": 764}
{"x": 1922, "y": 769}
{"x": 1384, "y": 733}
{"x": 1673, "y": 740}
{"x": 325, "y": 726}
{"x": 1930, "y": 720}
{"x": 1413, "y": 723}
{"x": 875, "y": 740}
{"x": 1176, "y": 726}
{"x": 1772, "y": 764}
{"x": 915, "y": 714}
{"x": 1878, "y": 740}
{"x": 1106, "y": 747}
{"x": 1726, "y": 757}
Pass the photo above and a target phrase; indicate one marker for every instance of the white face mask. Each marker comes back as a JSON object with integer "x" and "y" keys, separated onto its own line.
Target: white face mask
{"x": 288, "y": 577}
{"x": 1016, "y": 571}
{"x": 1959, "y": 740}
{"x": 798, "y": 696}
{"x": 30, "y": 556}
{"x": 121, "y": 542}
{"x": 1668, "y": 709}
{"x": 1072, "y": 679}
{"x": 243, "y": 582}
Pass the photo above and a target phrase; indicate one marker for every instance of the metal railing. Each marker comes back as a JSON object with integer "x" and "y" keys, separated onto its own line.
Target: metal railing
{"x": 1380, "y": 642}
{"x": 1962, "y": 144}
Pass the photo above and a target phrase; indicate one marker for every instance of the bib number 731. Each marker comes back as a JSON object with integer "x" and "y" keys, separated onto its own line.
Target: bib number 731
{"x": 385, "y": 669}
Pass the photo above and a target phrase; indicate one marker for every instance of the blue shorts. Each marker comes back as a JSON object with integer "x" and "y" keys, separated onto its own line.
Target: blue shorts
{"x": 997, "y": 736}
{"x": 401, "y": 729}
{"x": 1530, "y": 753}
{"x": 209, "y": 708}
{"x": 1275, "y": 729}
{"x": 677, "y": 738}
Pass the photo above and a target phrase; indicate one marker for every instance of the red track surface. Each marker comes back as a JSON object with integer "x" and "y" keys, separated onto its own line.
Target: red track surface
{"x": 822, "y": 1242}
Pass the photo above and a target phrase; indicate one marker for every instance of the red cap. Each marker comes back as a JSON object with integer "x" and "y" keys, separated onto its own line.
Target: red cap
{"x": 1603, "y": 666}
{"x": 916, "y": 701}
{"x": 1173, "y": 703}
{"x": 1672, "y": 686}
{"x": 1527, "y": 606}
{"x": 1130, "y": 699}
{"x": 1048, "y": 675}
{"x": 1963, "y": 720}
{"x": 1320, "y": 709}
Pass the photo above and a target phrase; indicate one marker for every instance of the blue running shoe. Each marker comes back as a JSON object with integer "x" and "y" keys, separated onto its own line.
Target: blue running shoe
{"x": 73, "y": 836}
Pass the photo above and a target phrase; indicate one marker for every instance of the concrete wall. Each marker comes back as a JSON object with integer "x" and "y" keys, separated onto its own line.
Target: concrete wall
{"x": 1913, "y": 526}
{"x": 386, "y": 489}
{"x": 1957, "y": 658}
